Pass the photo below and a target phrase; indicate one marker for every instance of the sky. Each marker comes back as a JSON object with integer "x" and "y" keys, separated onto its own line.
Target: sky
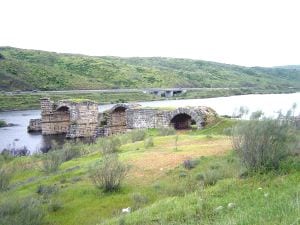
{"x": 242, "y": 32}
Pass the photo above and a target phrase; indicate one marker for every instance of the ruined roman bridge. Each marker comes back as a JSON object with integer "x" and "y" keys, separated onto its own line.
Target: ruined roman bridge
{"x": 81, "y": 118}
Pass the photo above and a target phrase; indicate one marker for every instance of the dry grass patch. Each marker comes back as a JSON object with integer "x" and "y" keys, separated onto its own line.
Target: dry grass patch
{"x": 151, "y": 165}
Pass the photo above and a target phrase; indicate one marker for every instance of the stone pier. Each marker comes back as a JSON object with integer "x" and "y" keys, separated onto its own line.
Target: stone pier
{"x": 74, "y": 118}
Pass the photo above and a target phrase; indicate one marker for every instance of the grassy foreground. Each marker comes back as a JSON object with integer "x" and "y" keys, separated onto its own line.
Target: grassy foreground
{"x": 160, "y": 190}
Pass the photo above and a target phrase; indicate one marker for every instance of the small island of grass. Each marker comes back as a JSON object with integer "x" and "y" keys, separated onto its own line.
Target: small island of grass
{"x": 3, "y": 123}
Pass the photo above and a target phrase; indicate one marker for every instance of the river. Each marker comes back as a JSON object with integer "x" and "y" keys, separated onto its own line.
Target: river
{"x": 270, "y": 104}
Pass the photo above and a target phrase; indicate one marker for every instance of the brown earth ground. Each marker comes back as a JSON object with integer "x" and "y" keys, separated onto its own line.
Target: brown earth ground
{"x": 155, "y": 162}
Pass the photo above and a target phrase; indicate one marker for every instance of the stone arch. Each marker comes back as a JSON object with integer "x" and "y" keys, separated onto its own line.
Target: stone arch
{"x": 183, "y": 118}
{"x": 119, "y": 106}
{"x": 63, "y": 108}
{"x": 62, "y": 119}
{"x": 117, "y": 120}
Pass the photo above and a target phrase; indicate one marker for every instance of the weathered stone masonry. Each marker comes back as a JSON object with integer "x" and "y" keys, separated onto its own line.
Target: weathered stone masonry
{"x": 75, "y": 119}
{"x": 180, "y": 118}
{"x": 81, "y": 119}
{"x": 122, "y": 118}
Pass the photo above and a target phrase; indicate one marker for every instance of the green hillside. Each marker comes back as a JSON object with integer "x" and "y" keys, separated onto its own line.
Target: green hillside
{"x": 30, "y": 69}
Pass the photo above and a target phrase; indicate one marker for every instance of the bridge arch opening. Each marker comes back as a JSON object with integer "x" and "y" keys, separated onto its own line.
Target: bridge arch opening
{"x": 182, "y": 121}
{"x": 118, "y": 120}
{"x": 63, "y": 120}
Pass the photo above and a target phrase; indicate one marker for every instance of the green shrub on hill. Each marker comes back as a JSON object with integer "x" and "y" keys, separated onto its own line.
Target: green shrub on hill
{"x": 28, "y": 211}
{"x": 109, "y": 173}
{"x": 262, "y": 143}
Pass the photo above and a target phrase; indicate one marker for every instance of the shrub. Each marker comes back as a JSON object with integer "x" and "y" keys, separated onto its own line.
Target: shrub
{"x": 5, "y": 156}
{"x": 21, "y": 212}
{"x": 52, "y": 160}
{"x": 5, "y": 177}
{"x": 69, "y": 152}
{"x": 261, "y": 143}
{"x": 210, "y": 177}
{"x": 46, "y": 191}
{"x": 190, "y": 164}
{"x": 54, "y": 206}
{"x": 186, "y": 184}
{"x": 110, "y": 145}
{"x": 137, "y": 135}
{"x": 148, "y": 142}
{"x": 109, "y": 173}
{"x": 166, "y": 131}
{"x": 16, "y": 152}
{"x": 182, "y": 174}
{"x": 139, "y": 201}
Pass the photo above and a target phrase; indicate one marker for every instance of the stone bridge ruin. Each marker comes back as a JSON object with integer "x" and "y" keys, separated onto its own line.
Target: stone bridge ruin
{"x": 70, "y": 117}
{"x": 123, "y": 117}
{"x": 80, "y": 118}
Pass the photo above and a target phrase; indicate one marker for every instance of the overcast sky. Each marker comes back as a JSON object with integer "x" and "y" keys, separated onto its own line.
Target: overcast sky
{"x": 243, "y": 32}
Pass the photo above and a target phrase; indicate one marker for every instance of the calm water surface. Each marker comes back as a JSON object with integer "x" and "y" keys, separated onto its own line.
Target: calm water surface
{"x": 270, "y": 104}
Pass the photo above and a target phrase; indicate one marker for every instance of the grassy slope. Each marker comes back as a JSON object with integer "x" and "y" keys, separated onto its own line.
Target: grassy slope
{"x": 29, "y": 69}
{"x": 173, "y": 193}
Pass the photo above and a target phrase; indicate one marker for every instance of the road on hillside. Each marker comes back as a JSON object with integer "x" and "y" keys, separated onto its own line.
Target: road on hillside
{"x": 145, "y": 90}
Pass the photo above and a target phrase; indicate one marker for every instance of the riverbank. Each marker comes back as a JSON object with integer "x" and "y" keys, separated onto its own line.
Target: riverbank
{"x": 178, "y": 179}
{"x": 10, "y": 102}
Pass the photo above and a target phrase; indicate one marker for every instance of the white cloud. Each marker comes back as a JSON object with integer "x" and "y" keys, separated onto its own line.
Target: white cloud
{"x": 245, "y": 32}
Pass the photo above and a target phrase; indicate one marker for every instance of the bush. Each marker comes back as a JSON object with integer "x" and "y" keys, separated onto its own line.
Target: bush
{"x": 109, "y": 174}
{"x": 210, "y": 177}
{"x": 137, "y": 135}
{"x": 21, "y": 212}
{"x": 46, "y": 191}
{"x": 261, "y": 143}
{"x": 16, "y": 152}
{"x": 190, "y": 164}
{"x": 166, "y": 131}
{"x": 148, "y": 142}
{"x": 5, "y": 177}
{"x": 5, "y": 156}
{"x": 186, "y": 184}
{"x": 110, "y": 145}
{"x": 52, "y": 160}
{"x": 69, "y": 152}
{"x": 139, "y": 201}
{"x": 54, "y": 206}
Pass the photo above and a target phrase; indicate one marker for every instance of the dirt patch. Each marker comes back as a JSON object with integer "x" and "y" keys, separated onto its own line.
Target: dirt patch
{"x": 153, "y": 164}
